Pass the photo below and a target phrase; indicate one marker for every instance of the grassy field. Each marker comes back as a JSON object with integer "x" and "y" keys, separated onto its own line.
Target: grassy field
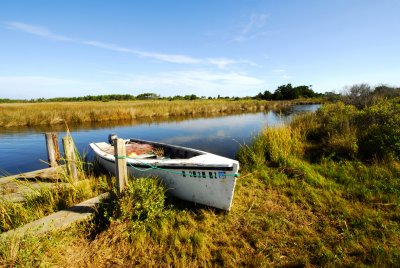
{"x": 302, "y": 200}
{"x": 302, "y": 215}
{"x": 31, "y": 114}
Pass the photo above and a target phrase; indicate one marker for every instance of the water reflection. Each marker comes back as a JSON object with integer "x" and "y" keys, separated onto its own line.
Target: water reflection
{"x": 22, "y": 148}
{"x": 296, "y": 109}
{"x": 105, "y": 124}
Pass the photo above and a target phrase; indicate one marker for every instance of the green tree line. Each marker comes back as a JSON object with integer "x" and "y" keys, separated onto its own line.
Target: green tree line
{"x": 288, "y": 92}
{"x": 359, "y": 95}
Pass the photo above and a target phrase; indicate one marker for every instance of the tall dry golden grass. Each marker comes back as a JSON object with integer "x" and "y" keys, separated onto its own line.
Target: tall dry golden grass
{"x": 30, "y": 114}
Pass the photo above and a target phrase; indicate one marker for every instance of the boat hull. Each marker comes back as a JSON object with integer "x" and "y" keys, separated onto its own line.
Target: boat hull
{"x": 210, "y": 185}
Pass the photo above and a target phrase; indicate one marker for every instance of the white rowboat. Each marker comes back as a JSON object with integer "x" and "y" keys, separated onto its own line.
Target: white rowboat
{"x": 188, "y": 174}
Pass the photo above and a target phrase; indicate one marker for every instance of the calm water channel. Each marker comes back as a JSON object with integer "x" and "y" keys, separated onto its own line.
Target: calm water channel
{"x": 24, "y": 149}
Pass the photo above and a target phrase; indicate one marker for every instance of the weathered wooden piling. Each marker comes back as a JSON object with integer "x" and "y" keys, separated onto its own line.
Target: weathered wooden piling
{"x": 70, "y": 157}
{"x": 53, "y": 152}
{"x": 121, "y": 170}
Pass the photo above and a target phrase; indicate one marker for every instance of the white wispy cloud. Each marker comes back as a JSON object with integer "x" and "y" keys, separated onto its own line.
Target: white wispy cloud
{"x": 286, "y": 77}
{"x": 253, "y": 28}
{"x": 164, "y": 57}
{"x": 221, "y": 62}
{"x": 279, "y": 71}
{"x": 36, "y": 30}
{"x": 107, "y": 46}
{"x": 256, "y": 21}
{"x": 282, "y": 73}
{"x": 200, "y": 82}
{"x": 173, "y": 58}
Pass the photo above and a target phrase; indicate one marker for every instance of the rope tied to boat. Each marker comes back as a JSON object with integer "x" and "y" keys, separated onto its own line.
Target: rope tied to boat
{"x": 152, "y": 167}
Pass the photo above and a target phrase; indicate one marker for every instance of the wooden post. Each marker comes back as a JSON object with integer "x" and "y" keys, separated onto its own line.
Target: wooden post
{"x": 70, "y": 157}
{"x": 53, "y": 153}
{"x": 121, "y": 170}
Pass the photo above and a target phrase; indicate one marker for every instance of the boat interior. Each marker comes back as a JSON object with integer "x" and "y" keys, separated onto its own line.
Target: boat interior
{"x": 161, "y": 150}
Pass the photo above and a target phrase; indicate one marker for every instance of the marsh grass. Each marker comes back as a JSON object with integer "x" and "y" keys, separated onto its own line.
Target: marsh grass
{"x": 275, "y": 145}
{"x": 353, "y": 207}
{"x": 297, "y": 214}
{"x": 31, "y": 114}
{"x": 287, "y": 211}
{"x": 35, "y": 251}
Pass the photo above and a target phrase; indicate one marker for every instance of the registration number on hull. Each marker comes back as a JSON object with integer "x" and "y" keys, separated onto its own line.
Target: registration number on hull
{"x": 204, "y": 174}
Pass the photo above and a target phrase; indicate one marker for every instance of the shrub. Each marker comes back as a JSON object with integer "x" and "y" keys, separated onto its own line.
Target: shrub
{"x": 360, "y": 95}
{"x": 379, "y": 131}
{"x": 341, "y": 131}
{"x": 334, "y": 133}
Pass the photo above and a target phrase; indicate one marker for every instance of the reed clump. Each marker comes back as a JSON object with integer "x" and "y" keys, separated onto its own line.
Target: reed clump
{"x": 31, "y": 114}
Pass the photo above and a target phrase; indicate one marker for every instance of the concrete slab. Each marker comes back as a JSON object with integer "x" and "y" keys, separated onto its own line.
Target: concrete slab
{"x": 59, "y": 220}
{"x": 46, "y": 173}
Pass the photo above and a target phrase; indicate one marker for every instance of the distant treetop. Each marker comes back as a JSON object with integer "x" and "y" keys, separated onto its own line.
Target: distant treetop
{"x": 288, "y": 92}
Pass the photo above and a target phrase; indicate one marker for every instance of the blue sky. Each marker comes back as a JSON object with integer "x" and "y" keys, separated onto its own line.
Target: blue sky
{"x": 208, "y": 47}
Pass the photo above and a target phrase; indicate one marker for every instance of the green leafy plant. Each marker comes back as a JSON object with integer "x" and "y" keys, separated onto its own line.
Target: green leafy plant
{"x": 379, "y": 130}
{"x": 143, "y": 201}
